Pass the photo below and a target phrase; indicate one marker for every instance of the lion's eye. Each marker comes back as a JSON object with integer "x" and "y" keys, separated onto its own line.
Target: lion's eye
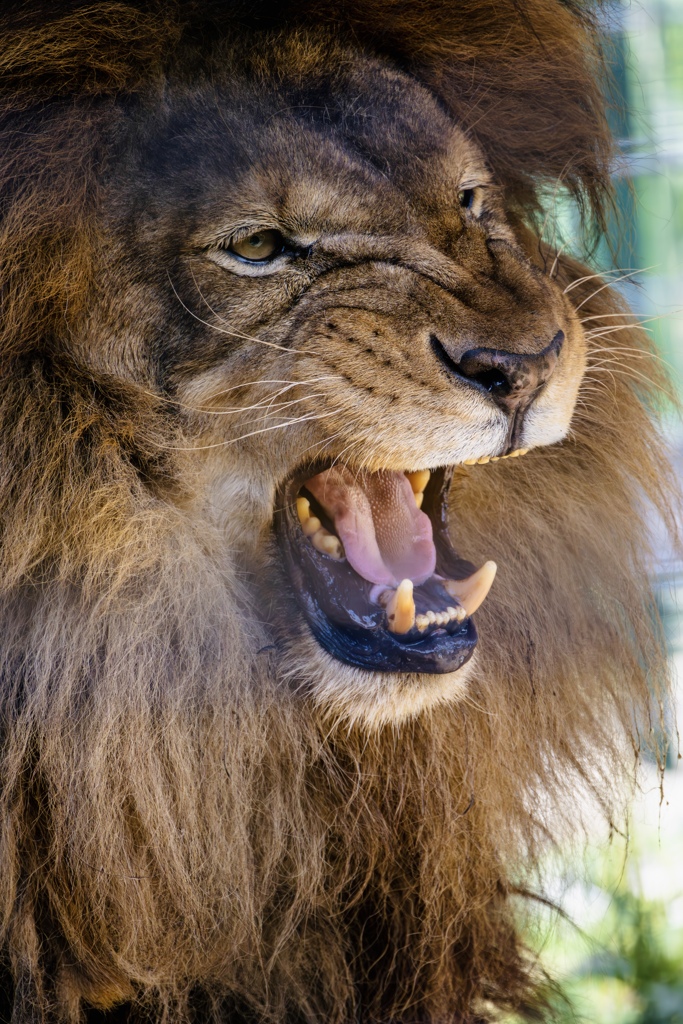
{"x": 466, "y": 198}
{"x": 261, "y": 246}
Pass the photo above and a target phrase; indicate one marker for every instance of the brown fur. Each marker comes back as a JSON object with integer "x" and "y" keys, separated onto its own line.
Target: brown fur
{"x": 182, "y": 826}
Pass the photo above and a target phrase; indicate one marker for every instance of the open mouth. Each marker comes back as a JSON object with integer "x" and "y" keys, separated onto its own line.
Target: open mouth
{"x": 374, "y": 571}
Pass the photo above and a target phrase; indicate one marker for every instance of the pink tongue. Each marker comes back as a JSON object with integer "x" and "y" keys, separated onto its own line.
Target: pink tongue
{"x": 385, "y": 536}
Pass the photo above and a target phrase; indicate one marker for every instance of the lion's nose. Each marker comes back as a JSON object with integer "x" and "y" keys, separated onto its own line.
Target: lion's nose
{"x": 511, "y": 378}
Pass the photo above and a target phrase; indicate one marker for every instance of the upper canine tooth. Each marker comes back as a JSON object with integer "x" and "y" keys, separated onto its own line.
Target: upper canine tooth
{"x": 472, "y": 592}
{"x": 401, "y": 608}
{"x": 303, "y": 509}
{"x": 419, "y": 498}
{"x": 419, "y": 480}
{"x": 311, "y": 526}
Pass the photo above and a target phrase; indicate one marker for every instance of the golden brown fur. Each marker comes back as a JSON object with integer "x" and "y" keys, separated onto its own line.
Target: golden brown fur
{"x": 182, "y": 824}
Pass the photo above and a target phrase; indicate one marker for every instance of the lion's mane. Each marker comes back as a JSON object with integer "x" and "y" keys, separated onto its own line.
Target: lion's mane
{"x": 178, "y": 829}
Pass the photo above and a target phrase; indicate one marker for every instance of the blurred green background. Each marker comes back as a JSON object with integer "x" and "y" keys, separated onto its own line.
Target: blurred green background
{"x": 621, "y": 960}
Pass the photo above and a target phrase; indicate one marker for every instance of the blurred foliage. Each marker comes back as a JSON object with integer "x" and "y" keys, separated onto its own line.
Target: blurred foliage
{"x": 616, "y": 956}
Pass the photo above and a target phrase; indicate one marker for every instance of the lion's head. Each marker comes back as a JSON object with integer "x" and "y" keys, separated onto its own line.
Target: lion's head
{"x": 288, "y": 372}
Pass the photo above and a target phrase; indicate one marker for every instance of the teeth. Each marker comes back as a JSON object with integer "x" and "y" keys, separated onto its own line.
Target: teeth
{"x": 419, "y": 480}
{"x": 321, "y": 539}
{"x": 472, "y": 592}
{"x": 494, "y": 458}
{"x": 303, "y": 509}
{"x": 401, "y": 608}
{"x": 419, "y": 498}
{"x": 326, "y": 542}
{"x": 430, "y": 618}
{"x": 311, "y": 526}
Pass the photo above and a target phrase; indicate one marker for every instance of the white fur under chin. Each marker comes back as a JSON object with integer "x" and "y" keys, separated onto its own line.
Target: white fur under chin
{"x": 370, "y": 700}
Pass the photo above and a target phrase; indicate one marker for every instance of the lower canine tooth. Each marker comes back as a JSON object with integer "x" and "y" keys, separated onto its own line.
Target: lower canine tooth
{"x": 419, "y": 480}
{"x": 472, "y": 592}
{"x": 401, "y": 608}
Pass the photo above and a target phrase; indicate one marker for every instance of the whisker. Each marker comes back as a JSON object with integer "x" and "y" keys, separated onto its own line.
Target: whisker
{"x": 556, "y": 261}
{"x": 629, "y": 374}
{"x": 591, "y": 277}
{"x": 636, "y": 353}
{"x": 267, "y": 403}
{"x": 266, "y": 413}
{"x": 603, "y": 316}
{"x": 243, "y": 437}
{"x": 610, "y": 284}
{"x": 604, "y": 332}
{"x": 232, "y": 333}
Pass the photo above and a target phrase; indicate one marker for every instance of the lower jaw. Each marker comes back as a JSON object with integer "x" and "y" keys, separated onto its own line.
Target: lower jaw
{"x": 354, "y": 631}
{"x": 372, "y": 700}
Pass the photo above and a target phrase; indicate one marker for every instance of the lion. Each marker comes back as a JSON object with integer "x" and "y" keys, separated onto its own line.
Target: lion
{"x": 326, "y": 483}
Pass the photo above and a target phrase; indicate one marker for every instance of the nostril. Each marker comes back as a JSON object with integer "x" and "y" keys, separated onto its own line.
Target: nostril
{"x": 491, "y": 380}
{"x": 511, "y": 378}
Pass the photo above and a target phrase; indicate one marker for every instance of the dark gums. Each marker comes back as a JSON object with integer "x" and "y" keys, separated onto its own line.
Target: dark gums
{"x": 336, "y": 604}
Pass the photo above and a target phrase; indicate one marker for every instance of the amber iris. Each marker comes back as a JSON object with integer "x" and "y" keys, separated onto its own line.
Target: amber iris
{"x": 262, "y": 245}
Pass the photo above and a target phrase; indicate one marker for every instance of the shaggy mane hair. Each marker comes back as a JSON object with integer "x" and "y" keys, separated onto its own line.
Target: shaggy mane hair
{"x": 178, "y": 829}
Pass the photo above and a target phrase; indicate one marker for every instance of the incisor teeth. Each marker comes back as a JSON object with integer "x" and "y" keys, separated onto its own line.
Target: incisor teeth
{"x": 303, "y": 509}
{"x": 401, "y": 608}
{"x": 311, "y": 526}
{"x": 472, "y": 592}
{"x": 419, "y": 480}
{"x": 327, "y": 543}
{"x": 419, "y": 498}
